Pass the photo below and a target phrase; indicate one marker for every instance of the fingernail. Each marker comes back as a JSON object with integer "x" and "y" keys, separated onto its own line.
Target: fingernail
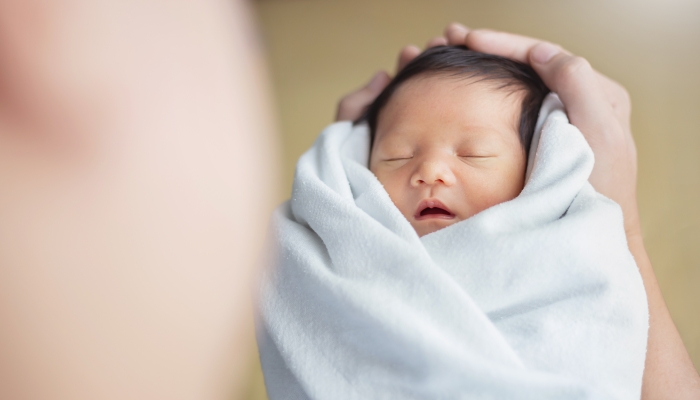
{"x": 544, "y": 52}
{"x": 376, "y": 82}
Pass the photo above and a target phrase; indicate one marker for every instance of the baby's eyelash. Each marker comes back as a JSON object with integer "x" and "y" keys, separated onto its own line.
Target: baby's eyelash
{"x": 398, "y": 158}
{"x": 475, "y": 156}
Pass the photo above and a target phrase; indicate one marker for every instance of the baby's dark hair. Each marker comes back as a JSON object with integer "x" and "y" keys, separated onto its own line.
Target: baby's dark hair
{"x": 460, "y": 62}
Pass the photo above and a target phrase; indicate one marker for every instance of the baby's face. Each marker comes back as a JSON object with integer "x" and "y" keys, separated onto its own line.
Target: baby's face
{"x": 446, "y": 149}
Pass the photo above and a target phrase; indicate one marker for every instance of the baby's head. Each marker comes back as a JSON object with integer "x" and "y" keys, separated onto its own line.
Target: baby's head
{"x": 450, "y": 134}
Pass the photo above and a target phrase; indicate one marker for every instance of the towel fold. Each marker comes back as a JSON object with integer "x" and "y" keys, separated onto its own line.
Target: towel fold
{"x": 535, "y": 298}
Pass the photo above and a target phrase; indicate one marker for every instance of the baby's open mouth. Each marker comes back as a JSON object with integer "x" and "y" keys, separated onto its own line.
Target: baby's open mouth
{"x": 432, "y": 208}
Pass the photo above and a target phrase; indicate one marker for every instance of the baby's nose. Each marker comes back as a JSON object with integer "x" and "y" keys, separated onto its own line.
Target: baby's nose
{"x": 431, "y": 172}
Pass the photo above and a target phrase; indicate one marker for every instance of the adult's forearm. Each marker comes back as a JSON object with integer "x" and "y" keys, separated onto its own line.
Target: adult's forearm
{"x": 668, "y": 371}
{"x": 135, "y": 174}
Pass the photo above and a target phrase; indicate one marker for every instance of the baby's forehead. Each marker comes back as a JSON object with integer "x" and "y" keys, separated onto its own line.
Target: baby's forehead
{"x": 439, "y": 101}
{"x": 454, "y": 85}
{"x": 480, "y": 88}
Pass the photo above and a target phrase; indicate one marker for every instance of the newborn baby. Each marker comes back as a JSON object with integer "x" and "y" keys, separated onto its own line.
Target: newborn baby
{"x": 450, "y": 134}
{"x": 535, "y": 297}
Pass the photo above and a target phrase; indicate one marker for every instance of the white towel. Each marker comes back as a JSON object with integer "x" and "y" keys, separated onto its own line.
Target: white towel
{"x": 535, "y": 298}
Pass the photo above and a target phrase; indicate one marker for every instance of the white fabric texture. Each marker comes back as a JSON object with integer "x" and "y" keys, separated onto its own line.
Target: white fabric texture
{"x": 535, "y": 298}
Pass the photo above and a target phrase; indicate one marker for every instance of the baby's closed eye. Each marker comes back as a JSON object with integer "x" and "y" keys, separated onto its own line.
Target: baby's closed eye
{"x": 482, "y": 155}
{"x": 478, "y": 159}
{"x": 481, "y": 151}
{"x": 400, "y": 158}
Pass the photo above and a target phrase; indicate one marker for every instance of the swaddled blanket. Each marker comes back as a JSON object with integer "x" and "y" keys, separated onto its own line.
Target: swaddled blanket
{"x": 535, "y": 298}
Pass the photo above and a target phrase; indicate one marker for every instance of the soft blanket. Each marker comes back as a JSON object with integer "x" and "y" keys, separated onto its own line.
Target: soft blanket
{"x": 535, "y": 298}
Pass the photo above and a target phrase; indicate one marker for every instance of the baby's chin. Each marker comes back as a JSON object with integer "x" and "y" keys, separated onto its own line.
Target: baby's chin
{"x": 425, "y": 227}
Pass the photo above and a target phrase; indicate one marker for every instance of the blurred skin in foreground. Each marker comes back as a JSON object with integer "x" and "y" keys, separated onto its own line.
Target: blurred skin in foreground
{"x": 136, "y": 172}
{"x": 136, "y": 175}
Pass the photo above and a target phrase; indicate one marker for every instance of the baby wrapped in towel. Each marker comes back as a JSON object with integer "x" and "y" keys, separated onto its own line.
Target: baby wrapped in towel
{"x": 423, "y": 256}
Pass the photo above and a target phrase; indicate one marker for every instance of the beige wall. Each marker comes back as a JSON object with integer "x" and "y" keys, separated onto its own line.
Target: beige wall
{"x": 321, "y": 49}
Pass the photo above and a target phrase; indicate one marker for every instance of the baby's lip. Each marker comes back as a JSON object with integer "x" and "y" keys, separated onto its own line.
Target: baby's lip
{"x": 432, "y": 208}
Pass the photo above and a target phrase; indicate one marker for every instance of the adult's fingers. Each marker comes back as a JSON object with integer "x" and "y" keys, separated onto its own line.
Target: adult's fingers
{"x": 407, "y": 54}
{"x": 455, "y": 33}
{"x": 436, "y": 41}
{"x": 515, "y": 47}
{"x": 518, "y": 47}
{"x": 352, "y": 105}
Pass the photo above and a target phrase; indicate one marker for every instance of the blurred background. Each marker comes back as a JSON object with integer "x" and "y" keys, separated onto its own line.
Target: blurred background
{"x": 319, "y": 50}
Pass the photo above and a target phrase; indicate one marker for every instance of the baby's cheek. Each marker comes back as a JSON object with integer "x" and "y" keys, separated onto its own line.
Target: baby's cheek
{"x": 499, "y": 189}
{"x": 486, "y": 186}
{"x": 397, "y": 193}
